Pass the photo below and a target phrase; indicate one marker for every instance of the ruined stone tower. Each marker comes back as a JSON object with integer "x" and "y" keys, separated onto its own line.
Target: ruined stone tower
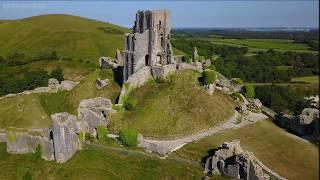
{"x": 149, "y": 43}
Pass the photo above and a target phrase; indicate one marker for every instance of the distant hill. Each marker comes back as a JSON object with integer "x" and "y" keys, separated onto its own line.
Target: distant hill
{"x": 70, "y": 36}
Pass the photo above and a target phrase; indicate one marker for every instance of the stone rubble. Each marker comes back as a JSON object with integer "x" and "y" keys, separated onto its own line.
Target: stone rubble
{"x": 100, "y": 83}
{"x": 305, "y": 125}
{"x": 232, "y": 161}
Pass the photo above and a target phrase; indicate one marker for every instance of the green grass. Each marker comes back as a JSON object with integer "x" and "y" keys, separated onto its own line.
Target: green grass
{"x": 284, "y": 153}
{"x": 23, "y": 112}
{"x": 98, "y": 163}
{"x": 176, "y": 107}
{"x": 306, "y": 79}
{"x": 54, "y": 102}
{"x": 87, "y": 89}
{"x": 70, "y": 36}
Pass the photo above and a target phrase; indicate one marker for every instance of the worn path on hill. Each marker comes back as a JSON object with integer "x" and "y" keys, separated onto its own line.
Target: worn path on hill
{"x": 165, "y": 147}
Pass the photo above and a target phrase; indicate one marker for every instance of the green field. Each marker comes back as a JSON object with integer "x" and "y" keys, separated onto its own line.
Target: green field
{"x": 284, "y": 153}
{"x": 306, "y": 79}
{"x": 98, "y": 163}
{"x": 23, "y": 111}
{"x": 176, "y": 107}
{"x": 70, "y": 36}
{"x": 263, "y": 44}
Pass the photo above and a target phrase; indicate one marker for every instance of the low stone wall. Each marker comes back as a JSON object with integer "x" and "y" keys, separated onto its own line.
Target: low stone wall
{"x": 182, "y": 66}
{"x": 21, "y": 141}
{"x": 64, "y": 85}
{"x": 258, "y": 169}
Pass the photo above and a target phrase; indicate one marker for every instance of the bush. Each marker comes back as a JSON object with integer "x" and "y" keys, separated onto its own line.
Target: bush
{"x": 249, "y": 91}
{"x": 37, "y": 155}
{"x": 57, "y": 74}
{"x": 102, "y": 133}
{"x": 129, "y": 137}
{"x": 209, "y": 76}
{"x": 130, "y": 104}
{"x": 237, "y": 81}
{"x": 212, "y": 67}
{"x": 88, "y": 137}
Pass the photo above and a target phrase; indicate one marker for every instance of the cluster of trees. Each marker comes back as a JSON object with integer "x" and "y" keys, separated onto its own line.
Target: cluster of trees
{"x": 282, "y": 98}
{"x": 20, "y": 58}
{"x": 29, "y": 80}
{"x": 264, "y": 67}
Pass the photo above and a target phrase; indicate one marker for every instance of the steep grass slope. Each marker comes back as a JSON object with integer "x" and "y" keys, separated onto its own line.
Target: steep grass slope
{"x": 176, "y": 107}
{"x": 70, "y": 36}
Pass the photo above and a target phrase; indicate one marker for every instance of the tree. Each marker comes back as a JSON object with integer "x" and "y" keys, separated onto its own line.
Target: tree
{"x": 249, "y": 91}
{"x": 57, "y": 74}
{"x": 209, "y": 76}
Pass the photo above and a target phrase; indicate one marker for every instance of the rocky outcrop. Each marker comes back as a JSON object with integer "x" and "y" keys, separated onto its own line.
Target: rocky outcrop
{"x": 95, "y": 112}
{"x": 306, "y": 124}
{"x": 232, "y": 161}
{"x": 107, "y": 63}
{"x": 228, "y": 86}
{"x": 209, "y": 89}
{"x": 119, "y": 58}
{"x": 195, "y": 56}
{"x": 100, "y": 83}
{"x": 182, "y": 66}
{"x": 53, "y": 83}
{"x": 64, "y": 129}
{"x": 68, "y": 85}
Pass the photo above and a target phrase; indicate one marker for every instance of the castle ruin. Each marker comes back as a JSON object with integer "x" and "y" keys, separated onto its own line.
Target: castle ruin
{"x": 148, "y": 44}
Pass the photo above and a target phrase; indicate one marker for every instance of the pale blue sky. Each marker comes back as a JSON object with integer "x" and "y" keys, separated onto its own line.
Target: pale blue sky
{"x": 219, "y": 13}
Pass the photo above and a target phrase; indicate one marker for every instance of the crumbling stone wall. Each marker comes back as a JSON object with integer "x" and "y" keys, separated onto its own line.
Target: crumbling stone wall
{"x": 94, "y": 112}
{"x": 232, "y": 161}
{"x": 21, "y": 141}
{"x": 306, "y": 124}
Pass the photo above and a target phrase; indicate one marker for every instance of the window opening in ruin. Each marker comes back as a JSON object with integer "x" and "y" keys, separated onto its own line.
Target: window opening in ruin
{"x": 159, "y": 25}
{"x": 159, "y": 59}
{"x": 162, "y": 42}
{"x": 147, "y": 60}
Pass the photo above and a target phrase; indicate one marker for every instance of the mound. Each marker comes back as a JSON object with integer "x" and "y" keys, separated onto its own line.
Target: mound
{"x": 70, "y": 36}
{"x": 176, "y": 107}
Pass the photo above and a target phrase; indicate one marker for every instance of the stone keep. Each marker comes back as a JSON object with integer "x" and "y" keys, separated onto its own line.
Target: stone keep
{"x": 149, "y": 43}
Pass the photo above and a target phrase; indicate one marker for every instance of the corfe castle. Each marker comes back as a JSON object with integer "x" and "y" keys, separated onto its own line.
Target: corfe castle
{"x": 147, "y": 55}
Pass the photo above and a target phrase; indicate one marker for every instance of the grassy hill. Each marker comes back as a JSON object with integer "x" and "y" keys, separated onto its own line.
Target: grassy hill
{"x": 70, "y": 36}
{"x": 176, "y": 107}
